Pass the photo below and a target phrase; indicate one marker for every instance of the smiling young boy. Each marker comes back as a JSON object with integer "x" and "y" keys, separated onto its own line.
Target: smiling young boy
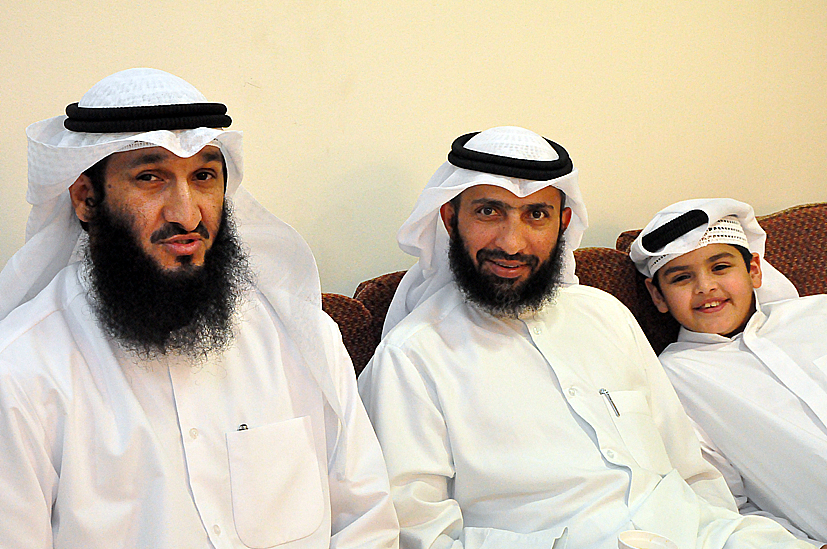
{"x": 750, "y": 363}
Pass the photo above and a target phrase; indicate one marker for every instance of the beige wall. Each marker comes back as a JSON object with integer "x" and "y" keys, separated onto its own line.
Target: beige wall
{"x": 349, "y": 107}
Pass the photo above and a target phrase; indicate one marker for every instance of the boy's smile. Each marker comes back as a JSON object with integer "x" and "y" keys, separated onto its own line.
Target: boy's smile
{"x": 708, "y": 290}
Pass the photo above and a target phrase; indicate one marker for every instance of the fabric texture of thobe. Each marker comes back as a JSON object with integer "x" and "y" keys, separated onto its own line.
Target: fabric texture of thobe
{"x": 760, "y": 400}
{"x": 558, "y": 428}
{"x": 99, "y": 449}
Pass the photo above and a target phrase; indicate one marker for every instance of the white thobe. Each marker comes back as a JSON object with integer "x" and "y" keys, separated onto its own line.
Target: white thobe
{"x": 760, "y": 399}
{"x": 557, "y": 426}
{"x": 99, "y": 449}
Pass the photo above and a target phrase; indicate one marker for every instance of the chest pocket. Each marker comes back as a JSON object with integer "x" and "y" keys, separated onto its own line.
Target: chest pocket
{"x": 637, "y": 428}
{"x": 275, "y": 479}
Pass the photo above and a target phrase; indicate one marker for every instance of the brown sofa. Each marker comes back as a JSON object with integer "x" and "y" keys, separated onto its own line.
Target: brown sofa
{"x": 796, "y": 245}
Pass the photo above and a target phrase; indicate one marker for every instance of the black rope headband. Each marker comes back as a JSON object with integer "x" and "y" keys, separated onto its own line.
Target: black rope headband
{"x": 535, "y": 170}
{"x": 673, "y": 230}
{"x": 184, "y": 116}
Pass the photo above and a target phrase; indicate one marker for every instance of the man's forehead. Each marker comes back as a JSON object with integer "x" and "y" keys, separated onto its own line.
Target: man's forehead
{"x": 155, "y": 155}
{"x": 208, "y": 152}
{"x": 547, "y": 195}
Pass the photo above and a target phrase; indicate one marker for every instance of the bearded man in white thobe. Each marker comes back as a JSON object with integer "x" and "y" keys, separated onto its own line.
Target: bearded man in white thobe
{"x": 515, "y": 407}
{"x": 750, "y": 362}
{"x": 167, "y": 375}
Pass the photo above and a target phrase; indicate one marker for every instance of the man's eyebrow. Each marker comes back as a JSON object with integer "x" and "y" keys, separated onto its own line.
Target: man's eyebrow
{"x": 539, "y": 206}
{"x": 148, "y": 158}
{"x": 490, "y": 202}
{"x": 211, "y": 156}
{"x": 504, "y": 206}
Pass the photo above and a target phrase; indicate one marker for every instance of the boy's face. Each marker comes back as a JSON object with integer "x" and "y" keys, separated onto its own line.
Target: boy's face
{"x": 708, "y": 290}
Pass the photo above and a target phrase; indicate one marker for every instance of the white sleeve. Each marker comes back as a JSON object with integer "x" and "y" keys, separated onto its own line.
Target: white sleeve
{"x": 28, "y": 478}
{"x": 412, "y": 432}
{"x": 363, "y": 515}
{"x": 736, "y": 484}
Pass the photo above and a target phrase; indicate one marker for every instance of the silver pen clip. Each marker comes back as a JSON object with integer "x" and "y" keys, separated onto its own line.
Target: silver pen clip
{"x": 606, "y": 394}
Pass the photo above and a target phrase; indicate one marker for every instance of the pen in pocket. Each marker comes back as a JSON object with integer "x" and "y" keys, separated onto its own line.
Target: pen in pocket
{"x": 606, "y": 394}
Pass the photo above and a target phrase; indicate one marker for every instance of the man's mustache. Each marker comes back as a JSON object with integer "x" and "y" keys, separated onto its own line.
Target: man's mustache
{"x": 174, "y": 229}
{"x": 490, "y": 255}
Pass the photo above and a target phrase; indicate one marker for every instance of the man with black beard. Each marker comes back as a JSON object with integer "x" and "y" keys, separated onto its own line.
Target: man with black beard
{"x": 153, "y": 312}
{"x": 499, "y": 295}
{"x": 516, "y": 408}
{"x": 167, "y": 375}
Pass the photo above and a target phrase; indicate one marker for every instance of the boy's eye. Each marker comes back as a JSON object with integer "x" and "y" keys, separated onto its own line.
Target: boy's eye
{"x": 720, "y": 267}
{"x": 538, "y": 214}
{"x": 487, "y": 211}
{"x": 678, "y": 278}
{"x": 203, "y": 176}
{"x": 147, "y": 177}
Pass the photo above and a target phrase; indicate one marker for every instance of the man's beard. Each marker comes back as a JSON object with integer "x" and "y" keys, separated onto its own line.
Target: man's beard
{"x": 154, "y": 312}
{"x": 505, "y": 297}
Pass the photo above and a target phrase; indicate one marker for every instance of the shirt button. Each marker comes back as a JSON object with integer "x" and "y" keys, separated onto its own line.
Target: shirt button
{"x": 610, "y": 454}
{"x": 193, "y": 433}
{"x": 572, "y": 391}
{"x": 538, "y": 330}
{"x": 216, "y": 529}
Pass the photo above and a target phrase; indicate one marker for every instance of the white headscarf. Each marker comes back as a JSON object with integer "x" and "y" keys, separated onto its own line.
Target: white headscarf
{"x": 775, "y": 286}
{"x": 283, "y": 263}
{"x": 423, "y": 235}
{"x": 58, "y": 156}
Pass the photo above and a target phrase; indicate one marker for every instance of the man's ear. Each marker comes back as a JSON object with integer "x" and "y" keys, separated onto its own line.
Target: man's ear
{"x": 447, "y": 213}
{"x": 83, "y": 197}
{"x": 565, "y": 218}
{"x": 755, "y": 271}
{"x": 657, "y": 297}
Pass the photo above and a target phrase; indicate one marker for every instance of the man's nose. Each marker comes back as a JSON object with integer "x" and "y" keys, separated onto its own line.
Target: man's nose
{"x": 511, "y": 237}
{"x": 181, "y": 206}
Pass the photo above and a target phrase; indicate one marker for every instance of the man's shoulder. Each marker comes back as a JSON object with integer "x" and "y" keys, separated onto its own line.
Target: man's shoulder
{"x": 445, "y": 313}
{"x": 34, "y": 322}
{"x": 587, "y": 300}
{"x": 437, "y": 314}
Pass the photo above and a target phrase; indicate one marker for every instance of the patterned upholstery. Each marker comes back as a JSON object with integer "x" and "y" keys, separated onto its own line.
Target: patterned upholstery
{"x": 796, "y": 245}
{"x": 360, "y": 318}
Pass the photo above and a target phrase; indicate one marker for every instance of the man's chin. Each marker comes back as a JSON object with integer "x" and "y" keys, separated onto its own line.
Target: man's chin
{"x": 496, "y": 279}
{"x": 178, "y": 264}
{"x": 154, "y": 303}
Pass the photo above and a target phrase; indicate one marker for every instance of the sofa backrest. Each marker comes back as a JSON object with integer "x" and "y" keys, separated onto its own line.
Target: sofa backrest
{"x": 796, "y": 246}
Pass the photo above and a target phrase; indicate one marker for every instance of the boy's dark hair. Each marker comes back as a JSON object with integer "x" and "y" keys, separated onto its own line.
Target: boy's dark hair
{"x": 745, "y": 253}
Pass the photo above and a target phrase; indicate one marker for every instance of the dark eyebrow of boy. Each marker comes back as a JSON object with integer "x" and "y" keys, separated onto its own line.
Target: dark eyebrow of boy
{"x": 721, "y": 255}
{"x": 711, "y": 259}
{"x": 674, "y": 269}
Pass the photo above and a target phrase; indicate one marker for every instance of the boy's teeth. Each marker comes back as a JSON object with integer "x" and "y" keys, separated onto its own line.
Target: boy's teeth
{"x": 711, "y": 304}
